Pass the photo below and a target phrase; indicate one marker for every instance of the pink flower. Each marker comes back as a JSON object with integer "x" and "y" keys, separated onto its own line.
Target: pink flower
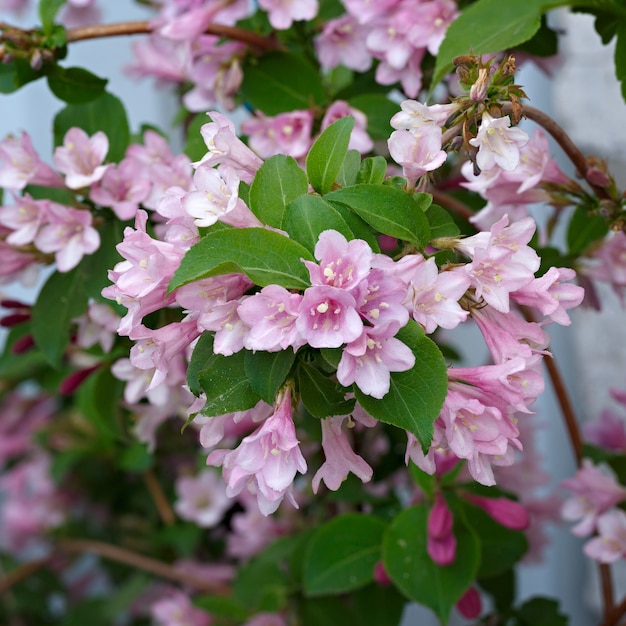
{"x": 608, "y": 431}
{"x": 282, "y": 13}
{"x": 415, "y": 115}
{"x": 266, "y": 619}
{"x": 359, "y": 139}
{"x": 266, "y": 462}
{"x": 595, "y": 491}
{"x": 21, "y": 165}
{"x": 80, "y": 157}
{"x": 287, "y": 133}
{"x": 202, "y": 499}
{"x": 176, "y": 610}
{"x": 343, "y": 42}
{"x": 418, "y": 151}
{"x": 25, "y": 217}
{"x": 340, "y": 459}
{"x": 441, "y": 542}
{"x": 69, "y": 234}
{"x": 610, "y": 545}
{"x": 498, "y": 144}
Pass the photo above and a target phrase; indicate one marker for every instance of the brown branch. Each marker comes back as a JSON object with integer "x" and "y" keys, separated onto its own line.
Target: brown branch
{"x": 160, "y": 500}
{"x": 143, "y": 27}
{"x": 563, "y": 139}
{"x": 119, "y": 555}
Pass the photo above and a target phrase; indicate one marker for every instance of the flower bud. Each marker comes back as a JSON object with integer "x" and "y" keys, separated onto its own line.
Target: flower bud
{"x": 470, "y": 604}
{"x": 380, "y": 574}
{"x": 508, "y": 513}
{"x": 478, "y": 91}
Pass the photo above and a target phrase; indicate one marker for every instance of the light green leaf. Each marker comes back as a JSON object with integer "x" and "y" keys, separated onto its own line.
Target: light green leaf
{"x": 342, "y": 554}
{"x": 349, "y": 169}
{"x": 281, "y": 81}
{"x": 307, "y": 216}
{"x": 373, "y": 171}
{"x": 279, "y": 181}
{"x": 413, "y": 571}
{"x": 487, "y": 26}
{"x": 416, "y": 396}
{"x": 48, "y": 10}
{"x": 389, "y": 210}
{"x": 327, "y": 154}
{"x": 265, "y": 256}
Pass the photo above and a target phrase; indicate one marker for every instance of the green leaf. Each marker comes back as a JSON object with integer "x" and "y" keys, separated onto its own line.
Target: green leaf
{"x": 342, "y": 554}
{"x": 484, "y": 27}
{"x": 267, "y": 371}
{"x": 14, "y": 367}
{"x": 441, "y": 222}
{"x": 412, "y": 570}
{"x": 327, "y": 154}
{"x": 388, "y": 210}
{"x": 201, "y": 355}
{"x": 379, "y": 111}
{"x": 541, "y": 612}
{"x": 226, "y": 385}
{"x": 357, "y": 226}
{"x": 501, "y": 548}
{"x": 583, "y": 230}
{"x": 48, "y": 10}
{"x": 502, "y": 589}
{"x": 62, "y": 298}
{"x": 323, "y": 611}
{"x": 349, "y": 169}
{"x": 320, "y": 395}
{"x": 281, "y": 81}
{"x": 220, "y": 606}
{"x": 265, "y": 256}
{"x": 307, "y": 216}
{"x": 373, "y": 171}
{"x": 75, "y": 85}
{"x": 279, "y": 181}
{"x": 135, "y": 458}
{"x": 416, "y": 396}
{"x": 105, "y": 113}
{"x": 378, "y": 605}
{"x": 620, "y": 56}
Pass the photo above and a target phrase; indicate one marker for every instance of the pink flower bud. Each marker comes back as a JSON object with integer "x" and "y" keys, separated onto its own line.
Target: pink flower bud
{"x": 23, "y": 344}
{"x": 507, "y": 512}
{"x": 72, "y": 382}
{"x": 13, "y": 319}
{"x": 380, "y": 574}
{"x": 442, "y": 551}
{"x": 470, "y": 604}
{"x": 440, "y": 519}
{"x": 478, "y": 91}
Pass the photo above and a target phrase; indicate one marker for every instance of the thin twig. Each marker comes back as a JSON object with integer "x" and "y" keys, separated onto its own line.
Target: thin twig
{"x": 143, "y": 27}
{"x": 160, "y": 500}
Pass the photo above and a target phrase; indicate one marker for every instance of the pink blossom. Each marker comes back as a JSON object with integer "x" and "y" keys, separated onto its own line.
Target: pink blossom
{"x": 415, "y": 115}
{"x": 506, "y": 512}
{"x": 164, "y": 59}
{"x": 68, "y": 234}
{"x": 202, "y": 498}
{"x": 497, "y": 143}
{"x": 271, "y": 316}
{"x": 441, "y": 542}
{"x": 410, "y": 77}
{"x": 340, "y": 458}
{"x": 251, "y": 531}
{"x": 595, "y": 492}
{"x": 287, "y": 133}
{"x": 176, "y": 610}
{"x": 122, "y": 188}
{"x": 382, "y": 302}
{"x": 266, "y": 619}
{"x": 282, "y": 13}
{"x": 97, "y": 326}
{"x": 266, "y": 462}
{"x": 22, "y": 166}
{"x": 359, "y": 139}
{"x": 80, "y": 157}
{"x": 25, "y": 217}
{"x": 608, "y": 431}
{"x": 367, "y": 11}
{"x": 430, "y": 22}
{"x": 343, "y": 42}
{"x": 369, "y": 360}
{"x": 610, "y": 544}
{"x": 231, "y": 333}
{"x": 417, "y": 151}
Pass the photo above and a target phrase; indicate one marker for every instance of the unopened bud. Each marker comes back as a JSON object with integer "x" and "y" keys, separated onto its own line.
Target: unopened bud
{"x": 380, "y": 574}
{"x": 23, "y": 344}
{"x": 13, "y": 319}
{"x": 597, "y": 177}
{"x": 478, "y": 91}
{"x": 72, "y": 382}
{"x": 508, "y": 513}
{"x": 470, "y": 605}
{"x": 36, "y": 60}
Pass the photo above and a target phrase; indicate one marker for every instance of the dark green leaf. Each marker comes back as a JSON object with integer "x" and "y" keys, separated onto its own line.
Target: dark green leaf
{"x": 359, "y": 227}
{"x": 326, "y": 156}
{"x": 501, "y": 588}
{"x": 267, "y": 371}
{"x": 320, "y": 395}
{"x": 483, "y": 28}
{"x": 412, "y": 570}
{"x": 377, "y": 605}
{"x": 75, "y": 85}
{"x": 416, "y": 396}
{"x": 265, "y": 256}
{"x": 48, "y": 10}
{"x": 201, "y": 358}
{"x": 8, "y": 79}
{"x": 342, "y": 554}
{"x": 583, "y": 230}
{"x": 349, "y": 169}
{"x": 308, "y": 216}
{"x": 61, "y": 299}
{"x": 135, "y": 458}
{"x": 441, "y": 222}
{"x": 226, "y": 385}
{"x": 220, "y": 606}
{"x": 379, "y": 110}
{"x": 324, "y": 611}
{"x": 389, "y": 210}
{"x": 544, "y": 43}
{"x": 620, "y": 56}
{"x": 105, "y": 113}
{"x": 24, "y": 73}
{"x": 373, "y": 171}
{"x": 541, "y": 612}
{"x": 62, "y": 196}
{"x": 279, "y": 181}
{"x": 281, "y": 81}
